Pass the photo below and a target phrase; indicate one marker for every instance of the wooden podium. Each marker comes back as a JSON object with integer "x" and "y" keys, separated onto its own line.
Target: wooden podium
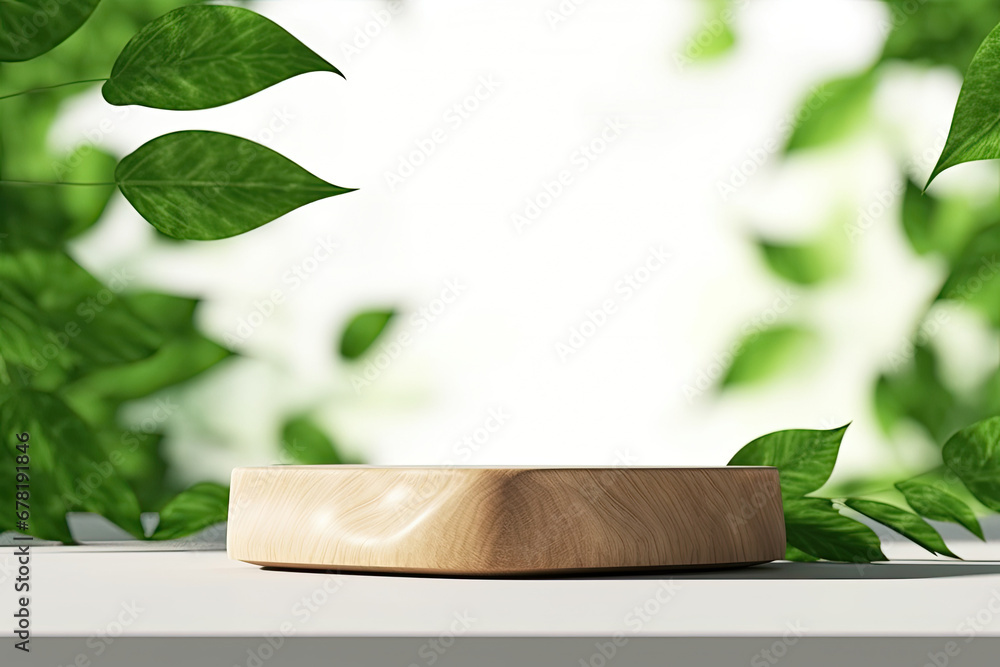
{"x": 481, "y": 521}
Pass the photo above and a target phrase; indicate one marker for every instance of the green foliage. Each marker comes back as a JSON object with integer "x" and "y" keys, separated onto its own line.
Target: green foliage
{"x": 938, "y": 504}
{"x": 975, "y": 127}
{"x": 362, "y": 331}
{"x": 973, "y": 454}
{"x": 763, "y": 354}
{"x": 832, "y": 111}
{"x": 975, "y": 275}
{"x": 808, "y": 263}
{"x": 208, "y": 185}
{"x": 204, "y": 56}
{"x": 813, "y": 526}
{"x": 203, "y": 505}
{"x": 907, "y": 524}
{"x": 805, "y": 457}
{"x": 29, "y": 28}
{"x": 305, "y": 442}
{"x": 937, "y": 33}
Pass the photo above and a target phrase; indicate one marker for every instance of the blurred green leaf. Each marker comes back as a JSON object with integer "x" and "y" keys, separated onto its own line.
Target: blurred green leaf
{"x": 305, "y": 442}
{"x": 805, "y": 263}
{"x": 815, "y": 527}
{"x": 362, "y": 331}
{"x": 198, "y": 57}
{"x": 29, "y": 28}
{"x": 714, "y": 36}
{"x": 207, "y": 185}
{"x": 938, "y": 504}
{"x": 973, "y": 454}
{"x": 975, "y": 127}
{"x": 975, "y": 276}
{"x": 204, "y": 504}
{"x": 69, "y": 472}
{"x": 804, "y": 457}
{"x": 907, "y": 524}
{"x": 918, "y": 218}
{"x": 84, "y": 205}
{"x": 832, "y": 111}
{"x": 937, "y": 33}
{"x": 769, "y": 352}
{"x": 915, "y": 390}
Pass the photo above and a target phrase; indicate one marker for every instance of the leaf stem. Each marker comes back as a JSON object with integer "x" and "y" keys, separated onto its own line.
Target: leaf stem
{"x": 57, "y": 85}
{"x": 30, "y": 183}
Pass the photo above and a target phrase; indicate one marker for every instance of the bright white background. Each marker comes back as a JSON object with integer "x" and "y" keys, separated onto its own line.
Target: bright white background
{"x": 621, "y": 398}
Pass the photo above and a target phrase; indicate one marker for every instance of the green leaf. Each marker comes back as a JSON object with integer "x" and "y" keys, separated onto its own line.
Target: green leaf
{"x": 207, "y": 185}
{"x": 204, "y": 504}
{"x": 767, "y": 353}
{"x": 362, "y": 331}
{"x": 804, "y": 457}
{"x": 918, "y": 218}
{"x": 69, "y": 471}
{"x": 815, "y": 527}
{"x": 973, "y": 454}
{"x": 975, "y": 276}
{"x": 915, "y": 390}
{"x": 805, "y": 263}
{"x": 907, "y": 524}
{"x": 975, "y": 127}
{"x": 832, "y": 111}
{"x": 793, "y": 554}
{"x": 204, "y": 56}
{"x": 933, "y": 502}
{"x": 29, "y": 28}
{"x": 304, "y": 442}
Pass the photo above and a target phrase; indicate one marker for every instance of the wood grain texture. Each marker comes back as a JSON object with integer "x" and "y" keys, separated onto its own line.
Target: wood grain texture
{"x": 504, "y": 521}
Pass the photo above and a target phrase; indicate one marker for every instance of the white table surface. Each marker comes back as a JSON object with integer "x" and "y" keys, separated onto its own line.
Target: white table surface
{"x": 135, "y": 591}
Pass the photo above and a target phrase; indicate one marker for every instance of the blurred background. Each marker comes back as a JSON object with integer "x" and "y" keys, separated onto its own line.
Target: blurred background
{"x": 597, "y": 233}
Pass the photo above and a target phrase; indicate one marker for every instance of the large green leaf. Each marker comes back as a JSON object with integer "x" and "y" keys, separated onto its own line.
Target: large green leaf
{"x": 69, "y": 471}
{"x": 934, "y": 502}
{"x": 204, "y": 56}
{"x": 208, "y": 185}
{"x": 975, "y": 127}
{"x": 29, "y": 28}
{"x": 203, "y": 505}
{"x": 907, "y": 524}
{"x": 362, "y": 331}
{"x": 305, "y": 442}
{"x": 975, "y": 276}
{"x": 815, "y": 527}
{"x": 764, "y": 354}
{"x": 973, "y": 454}
{"x": 804, "y": 457}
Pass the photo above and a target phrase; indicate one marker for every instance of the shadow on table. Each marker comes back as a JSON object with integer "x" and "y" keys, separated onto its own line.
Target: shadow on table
{"x": 766, "y": 571}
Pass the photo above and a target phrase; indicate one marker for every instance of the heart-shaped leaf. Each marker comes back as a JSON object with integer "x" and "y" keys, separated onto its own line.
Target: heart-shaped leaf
{"x": 804, "y": 458}
{"x": 29, "y": 28}
{"x": 814, "y": 526}
{"x": 973, "y": 454}
{"x": 203, "y": 56}
{"x": 975, "y": 127}
{"x": 933, "y": 502}
{"x": 907, "y": 524}
{"x": 208, "y": 185}
{"x": 362, "y": 331}
{"x": 203, "y": 505}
